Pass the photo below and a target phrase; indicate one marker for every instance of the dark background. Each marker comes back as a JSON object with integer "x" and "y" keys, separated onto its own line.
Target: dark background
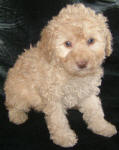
{"x": 20, "y": 24}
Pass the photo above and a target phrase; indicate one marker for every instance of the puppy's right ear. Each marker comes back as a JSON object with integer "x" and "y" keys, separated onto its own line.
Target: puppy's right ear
{"x": 45, "y": 44}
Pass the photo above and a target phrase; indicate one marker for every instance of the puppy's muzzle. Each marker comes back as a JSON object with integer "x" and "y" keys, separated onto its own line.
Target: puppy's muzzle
{"x": 82, "y": 64}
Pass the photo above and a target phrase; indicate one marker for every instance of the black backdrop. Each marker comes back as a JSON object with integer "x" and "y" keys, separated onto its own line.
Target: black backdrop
{"x": 20, "y": 24}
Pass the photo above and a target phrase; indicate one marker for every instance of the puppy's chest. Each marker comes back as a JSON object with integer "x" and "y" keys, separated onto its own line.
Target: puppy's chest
{"x": 79, "y": 89}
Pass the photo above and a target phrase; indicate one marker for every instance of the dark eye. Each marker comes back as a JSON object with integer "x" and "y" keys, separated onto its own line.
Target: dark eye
{"x": 90, "y": 41}
{"x": 68, "y": 44}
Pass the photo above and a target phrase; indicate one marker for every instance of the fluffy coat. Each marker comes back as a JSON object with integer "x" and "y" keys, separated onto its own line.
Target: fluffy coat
{"x": 63, "y": 71}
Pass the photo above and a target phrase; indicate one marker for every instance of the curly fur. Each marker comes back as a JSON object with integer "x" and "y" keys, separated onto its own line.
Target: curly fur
{"x": 53, "y": 77}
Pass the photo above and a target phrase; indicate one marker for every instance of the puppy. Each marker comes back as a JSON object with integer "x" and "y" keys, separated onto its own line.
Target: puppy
{"x": 63, "y": 71}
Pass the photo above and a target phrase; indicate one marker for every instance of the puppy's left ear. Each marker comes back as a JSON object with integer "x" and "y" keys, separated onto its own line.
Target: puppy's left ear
{"x": 108, "y": 48}
{"x": 108, "y": 36}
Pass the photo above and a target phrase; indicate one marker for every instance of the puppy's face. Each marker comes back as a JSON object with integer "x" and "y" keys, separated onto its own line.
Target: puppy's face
{"x": 80, "y": 49}
{"x": 77, "y": 39}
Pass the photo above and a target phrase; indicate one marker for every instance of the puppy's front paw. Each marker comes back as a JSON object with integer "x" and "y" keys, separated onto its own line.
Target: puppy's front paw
{"x": 104, "y": 128}
{"x": 65, "y": 138}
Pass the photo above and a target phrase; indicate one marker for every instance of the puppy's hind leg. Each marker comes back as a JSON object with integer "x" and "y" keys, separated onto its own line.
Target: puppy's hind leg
{"x": 17, "y": 112}
{"x": 17, "y": 116}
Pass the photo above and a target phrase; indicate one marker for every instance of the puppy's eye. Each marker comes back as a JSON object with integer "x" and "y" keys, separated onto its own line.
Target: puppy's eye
{"x": 90, "y": 41}
{"x": 68, "y": 44}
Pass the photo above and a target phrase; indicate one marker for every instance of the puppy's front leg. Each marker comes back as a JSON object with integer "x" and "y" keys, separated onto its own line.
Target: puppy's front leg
{"x": 58, "y": 126}
{"x": 94, "y": 117}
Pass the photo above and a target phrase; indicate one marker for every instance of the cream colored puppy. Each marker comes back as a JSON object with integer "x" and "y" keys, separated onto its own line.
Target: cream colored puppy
{"x": 63, "y": 71}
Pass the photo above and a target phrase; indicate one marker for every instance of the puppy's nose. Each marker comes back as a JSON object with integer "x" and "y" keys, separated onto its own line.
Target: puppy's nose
{"x": 82, "y": 64}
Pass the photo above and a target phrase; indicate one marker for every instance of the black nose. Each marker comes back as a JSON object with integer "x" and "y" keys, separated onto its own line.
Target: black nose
{"x": 82, "y": 64}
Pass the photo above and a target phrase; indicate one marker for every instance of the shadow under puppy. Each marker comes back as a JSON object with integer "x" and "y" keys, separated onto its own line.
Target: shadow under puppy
{"x": 63, "y": 71}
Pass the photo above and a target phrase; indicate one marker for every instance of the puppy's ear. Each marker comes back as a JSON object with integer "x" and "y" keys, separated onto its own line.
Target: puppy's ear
{"x": 103, "y": 24}
{"x": 108, "y": 49}
{"x": 46, "y": 44}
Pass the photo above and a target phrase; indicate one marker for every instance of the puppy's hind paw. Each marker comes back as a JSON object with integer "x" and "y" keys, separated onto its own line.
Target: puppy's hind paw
{"x": 17, "y": 117}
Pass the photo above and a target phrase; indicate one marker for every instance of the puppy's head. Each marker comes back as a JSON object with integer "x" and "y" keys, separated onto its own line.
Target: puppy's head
{"x": 77, "y": 39}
